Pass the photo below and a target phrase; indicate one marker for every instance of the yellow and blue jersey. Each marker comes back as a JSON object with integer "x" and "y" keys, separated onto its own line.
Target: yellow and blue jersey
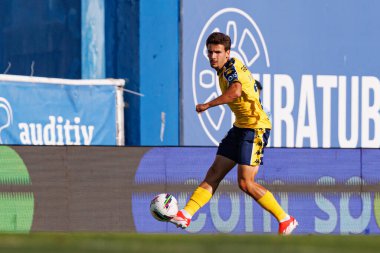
{"x": 247, "y": 108}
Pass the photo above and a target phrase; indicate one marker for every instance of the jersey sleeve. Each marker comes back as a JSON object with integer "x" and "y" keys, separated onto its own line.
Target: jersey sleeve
{"x": 230, "y": 74}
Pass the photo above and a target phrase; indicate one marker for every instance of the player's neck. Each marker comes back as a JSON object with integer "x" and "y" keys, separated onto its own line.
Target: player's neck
{"x": 218, "y": 70}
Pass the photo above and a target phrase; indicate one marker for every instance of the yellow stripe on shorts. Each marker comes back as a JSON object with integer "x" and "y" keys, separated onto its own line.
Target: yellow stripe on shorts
{"x": 258, "y": 145}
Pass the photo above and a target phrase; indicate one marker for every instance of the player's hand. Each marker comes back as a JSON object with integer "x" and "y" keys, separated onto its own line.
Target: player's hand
{"x": 201, "y": 107}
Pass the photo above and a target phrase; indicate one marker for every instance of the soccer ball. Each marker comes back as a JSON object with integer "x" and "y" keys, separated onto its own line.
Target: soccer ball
{"x": 163, "y": 207}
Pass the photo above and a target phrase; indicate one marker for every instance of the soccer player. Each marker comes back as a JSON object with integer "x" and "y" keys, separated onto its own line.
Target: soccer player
{"x": 244, "y": 143}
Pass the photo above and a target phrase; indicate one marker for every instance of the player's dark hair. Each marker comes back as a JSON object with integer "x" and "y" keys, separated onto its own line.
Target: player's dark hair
{"x": 219, "y": 38}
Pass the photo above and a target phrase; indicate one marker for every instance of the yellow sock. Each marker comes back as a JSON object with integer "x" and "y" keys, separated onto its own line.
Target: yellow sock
{"x": 269, "y": 203}
{"x": 199, "y": 198}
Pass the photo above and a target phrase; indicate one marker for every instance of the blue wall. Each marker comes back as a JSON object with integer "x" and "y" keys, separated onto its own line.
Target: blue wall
{"x": 142, "y": 45}
{"x": 122, "y": 58}
{"x": 93, "y": 48}
{"x": 44, "y": 32}
{"x": 159, "y": 72}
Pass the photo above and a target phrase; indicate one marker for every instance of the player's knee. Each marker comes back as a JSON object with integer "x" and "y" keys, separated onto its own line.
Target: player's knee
{"x": 244, "y": 184}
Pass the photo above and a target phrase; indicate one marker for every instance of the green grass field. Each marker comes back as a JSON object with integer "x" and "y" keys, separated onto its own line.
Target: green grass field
{"x": 122, "y": 242}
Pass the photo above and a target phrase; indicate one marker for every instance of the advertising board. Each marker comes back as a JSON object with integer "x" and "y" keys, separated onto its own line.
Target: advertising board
{"x": 317, "y": 62}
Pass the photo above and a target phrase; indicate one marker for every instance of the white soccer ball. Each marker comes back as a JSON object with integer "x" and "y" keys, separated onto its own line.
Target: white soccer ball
{"x": 163, "y": 207}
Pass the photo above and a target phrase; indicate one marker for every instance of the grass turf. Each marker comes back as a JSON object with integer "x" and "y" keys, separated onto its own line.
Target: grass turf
{"x": 165, "y": 243}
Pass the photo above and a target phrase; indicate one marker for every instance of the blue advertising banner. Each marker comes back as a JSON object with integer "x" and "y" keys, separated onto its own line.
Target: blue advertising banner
{"x": 317, "y": 61}
{"x": 332, "y": 198}
{"x": 39, "y": 113}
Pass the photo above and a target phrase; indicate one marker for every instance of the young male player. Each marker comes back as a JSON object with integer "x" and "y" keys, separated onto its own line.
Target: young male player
{"x": 244, "y": 144}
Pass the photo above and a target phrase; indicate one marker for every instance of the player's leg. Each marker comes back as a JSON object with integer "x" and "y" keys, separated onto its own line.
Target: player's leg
{"x": 224, "y": 161}
{"x": 203, "y": 193}
{"x": 218, "y": 170}
{"x": 250, "y": 158}
{"x": 247, "y": 183}
{"x": 206, "y": 189}
{"x": 246, "y": 180}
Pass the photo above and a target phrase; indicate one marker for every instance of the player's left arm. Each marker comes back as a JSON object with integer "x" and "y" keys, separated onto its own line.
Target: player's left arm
{"x": 233, "y": 92}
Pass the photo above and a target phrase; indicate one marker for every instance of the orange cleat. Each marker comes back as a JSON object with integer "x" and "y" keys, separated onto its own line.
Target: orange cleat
{"x": 287, "y": 227}
{"x": 180, "y": 220}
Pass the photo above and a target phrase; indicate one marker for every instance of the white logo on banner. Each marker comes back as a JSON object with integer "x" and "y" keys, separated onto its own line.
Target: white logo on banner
{"x": 7, "y": 120}
{"x": 58, "y": 131}
{"x": 247, "y": 44}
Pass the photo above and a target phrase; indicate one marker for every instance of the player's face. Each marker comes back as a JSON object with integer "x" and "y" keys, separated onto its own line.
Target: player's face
{"x": 217, "y": 55}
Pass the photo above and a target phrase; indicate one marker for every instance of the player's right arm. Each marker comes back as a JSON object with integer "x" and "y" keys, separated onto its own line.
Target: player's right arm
{"x": 233, "y": 92}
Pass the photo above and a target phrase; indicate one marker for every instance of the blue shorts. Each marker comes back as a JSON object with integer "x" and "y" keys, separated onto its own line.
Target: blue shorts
{"x": 245, "y": 146}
